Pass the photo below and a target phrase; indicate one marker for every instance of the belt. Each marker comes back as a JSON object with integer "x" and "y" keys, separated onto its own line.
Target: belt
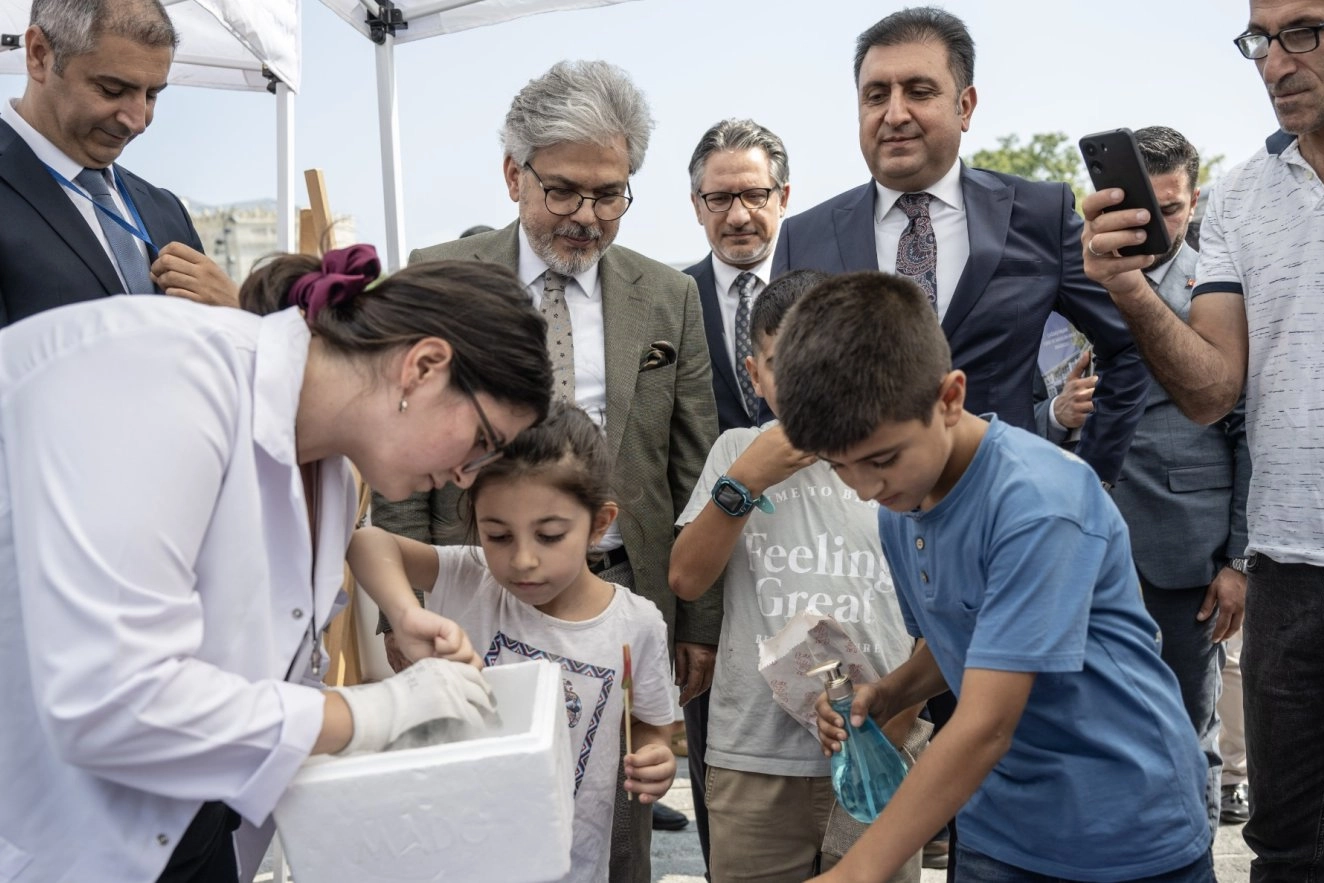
{"x": 603, "y": 561}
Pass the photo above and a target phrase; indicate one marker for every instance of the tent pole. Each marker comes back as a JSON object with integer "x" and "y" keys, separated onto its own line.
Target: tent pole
{"x": 389, "y": 125}
{"x": 284, "y": 168}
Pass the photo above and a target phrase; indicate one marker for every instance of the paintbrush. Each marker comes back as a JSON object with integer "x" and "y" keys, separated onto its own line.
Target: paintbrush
{"x": 627, "y": 691}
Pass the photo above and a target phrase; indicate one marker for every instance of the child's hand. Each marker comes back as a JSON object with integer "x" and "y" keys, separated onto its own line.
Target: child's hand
{"x": 871, "y": 699}
{"x": 770, "y": 459}
{"x": 649, "y": 771}
{"x": 422, "y": 633}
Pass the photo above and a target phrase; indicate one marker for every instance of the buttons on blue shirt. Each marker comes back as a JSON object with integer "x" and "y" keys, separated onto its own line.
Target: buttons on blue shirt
{"x": 919, "y": 543}
{"x": 924, "y": 576}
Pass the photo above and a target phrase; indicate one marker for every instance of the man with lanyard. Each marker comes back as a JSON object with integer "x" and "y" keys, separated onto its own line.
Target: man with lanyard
{"x": 77, "y": 226}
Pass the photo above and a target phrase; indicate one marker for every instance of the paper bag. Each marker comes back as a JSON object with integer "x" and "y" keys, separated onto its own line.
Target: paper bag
{"x": 808, "y": 640}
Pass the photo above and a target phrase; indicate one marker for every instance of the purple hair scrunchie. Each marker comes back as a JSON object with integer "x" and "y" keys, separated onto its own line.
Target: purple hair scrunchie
{"x": 344, "y": 274}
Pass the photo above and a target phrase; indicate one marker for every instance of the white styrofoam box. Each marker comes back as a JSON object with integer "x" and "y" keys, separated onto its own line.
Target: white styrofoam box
{"x": 497, "y": 807}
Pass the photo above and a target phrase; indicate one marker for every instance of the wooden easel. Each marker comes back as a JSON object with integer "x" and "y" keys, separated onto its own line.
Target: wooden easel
{"x": 316, "y": 236}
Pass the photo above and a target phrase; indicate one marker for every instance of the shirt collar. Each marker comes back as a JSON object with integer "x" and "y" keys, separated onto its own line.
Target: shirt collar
{"x": 946, "y": 190}
{"x": 1158, "y": 274}
{"x": 532, "y": 267}
{"x": 282, "y": 356}
{"x": 40, "y": 145}
{"x": 725, "y": 275}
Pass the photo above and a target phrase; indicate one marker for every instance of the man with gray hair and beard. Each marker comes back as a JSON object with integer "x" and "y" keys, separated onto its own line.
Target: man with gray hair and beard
{"x": 627, "y": 344}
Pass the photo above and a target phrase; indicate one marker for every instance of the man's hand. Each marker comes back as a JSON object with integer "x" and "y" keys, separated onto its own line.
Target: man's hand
{"x": 185, "y": 272}
{"x": 422, "y": 633}
{"x": 1076, "y": 400}
{"x": 1105, "y": 232}
{"x": 770, "y": 459}
{"x": 1227, "y": 597}
{"x": 394, "y": 658}
{"x": 694, "y": 669}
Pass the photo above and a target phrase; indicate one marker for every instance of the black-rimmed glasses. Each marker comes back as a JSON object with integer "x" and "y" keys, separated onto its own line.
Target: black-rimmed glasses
{"x": 496, "y": 443}
{"x": 1294, "y": 40}
{"x": 565, "y": 202}
{"x": 753, "y": 199}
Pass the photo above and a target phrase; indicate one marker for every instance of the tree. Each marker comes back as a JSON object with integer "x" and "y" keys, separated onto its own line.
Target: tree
{"x": 1048, "y": 156}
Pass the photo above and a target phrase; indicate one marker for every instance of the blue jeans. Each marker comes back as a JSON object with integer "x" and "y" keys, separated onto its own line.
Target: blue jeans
{"x": 1282, "y": 669}
{"x": 1197, "y": 662}
{"x": 975, "y": 867}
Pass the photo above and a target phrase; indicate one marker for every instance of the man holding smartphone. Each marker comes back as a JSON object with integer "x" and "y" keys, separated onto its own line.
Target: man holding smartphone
{"x": 1255, "y": 325}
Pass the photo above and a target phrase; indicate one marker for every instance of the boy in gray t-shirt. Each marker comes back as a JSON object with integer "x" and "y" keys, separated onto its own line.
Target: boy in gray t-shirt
{"x": 789, "y": 537}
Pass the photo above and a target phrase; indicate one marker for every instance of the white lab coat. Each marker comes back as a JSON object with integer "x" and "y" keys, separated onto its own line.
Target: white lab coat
{"x": 155, "y": 566}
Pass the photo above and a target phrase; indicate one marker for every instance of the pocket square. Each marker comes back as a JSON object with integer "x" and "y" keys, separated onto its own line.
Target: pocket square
{"x": 660, "y": 354}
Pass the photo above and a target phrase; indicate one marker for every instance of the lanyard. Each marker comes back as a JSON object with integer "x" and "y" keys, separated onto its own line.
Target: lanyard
{"x": 137, "y": 229}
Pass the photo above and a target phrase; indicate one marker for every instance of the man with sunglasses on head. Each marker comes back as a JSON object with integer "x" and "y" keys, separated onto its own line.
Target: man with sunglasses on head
{"x": 626, "y": 340}
{"x": 1255, "y": 326}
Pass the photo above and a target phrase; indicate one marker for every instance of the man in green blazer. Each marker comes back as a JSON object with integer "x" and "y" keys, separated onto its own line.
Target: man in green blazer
{"x": 627, "y": 340}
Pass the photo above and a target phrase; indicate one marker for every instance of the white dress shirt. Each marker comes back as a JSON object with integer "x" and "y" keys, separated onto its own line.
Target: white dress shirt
{"x": 728, "y": 297}
{"x": 946, "y": 213}
{"x": 583, "y": 298}
{"x": 56, "y": 159}
{"x": 159, "y": 579}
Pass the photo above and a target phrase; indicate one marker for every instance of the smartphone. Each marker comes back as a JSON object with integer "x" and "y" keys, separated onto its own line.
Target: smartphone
{"x": 1113, "y": 160}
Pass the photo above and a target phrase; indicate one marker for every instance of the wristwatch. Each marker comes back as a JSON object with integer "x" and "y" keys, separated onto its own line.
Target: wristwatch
{"x": 734, "y": 498}
{"x": 1238, "y": 564}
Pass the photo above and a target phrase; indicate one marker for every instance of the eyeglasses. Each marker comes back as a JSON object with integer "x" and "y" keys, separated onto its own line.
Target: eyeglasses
{"x": 564, "y": 201}
{"x": 1294, "y": 40}
{"x": 496, "y": 443}
{"x": 753, "y": 198}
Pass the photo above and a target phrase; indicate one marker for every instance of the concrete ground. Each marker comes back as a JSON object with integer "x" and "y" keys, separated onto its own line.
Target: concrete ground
{"x": 676, "y": 857}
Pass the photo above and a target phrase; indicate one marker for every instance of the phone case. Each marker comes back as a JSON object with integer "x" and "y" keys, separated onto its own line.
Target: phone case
{"x": 1113, "y": 160}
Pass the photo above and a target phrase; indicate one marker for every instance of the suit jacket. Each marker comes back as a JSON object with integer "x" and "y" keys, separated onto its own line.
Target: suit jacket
{"x": 49, "y": 256}
{"x": 1183, "y": 486}
{"x": 661, "y": 421}
{"x": 726, "y": 389}
{"x": 1025, "y": 262}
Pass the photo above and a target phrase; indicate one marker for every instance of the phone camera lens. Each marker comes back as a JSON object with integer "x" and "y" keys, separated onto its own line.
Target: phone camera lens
{"x": 1096, "y": 168}
{"x": 1090, "y": 150}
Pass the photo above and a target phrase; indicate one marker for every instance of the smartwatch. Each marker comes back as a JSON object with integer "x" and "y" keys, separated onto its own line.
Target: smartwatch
{"x": 734, "y": 498}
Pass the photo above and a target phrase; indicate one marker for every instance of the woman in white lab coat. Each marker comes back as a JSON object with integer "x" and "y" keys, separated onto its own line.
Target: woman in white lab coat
{"x": 175, "y": 504}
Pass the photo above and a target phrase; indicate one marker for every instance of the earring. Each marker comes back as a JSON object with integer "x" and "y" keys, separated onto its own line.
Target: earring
{"x": 404, "y": 405}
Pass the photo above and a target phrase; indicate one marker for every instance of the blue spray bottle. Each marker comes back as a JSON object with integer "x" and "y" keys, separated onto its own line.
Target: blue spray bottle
{"x": 867, "y": 770}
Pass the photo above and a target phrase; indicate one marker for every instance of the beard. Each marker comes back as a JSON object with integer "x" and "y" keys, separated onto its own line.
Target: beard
{"x": 578, "y": 260}
{"x": 1171, "y": 252}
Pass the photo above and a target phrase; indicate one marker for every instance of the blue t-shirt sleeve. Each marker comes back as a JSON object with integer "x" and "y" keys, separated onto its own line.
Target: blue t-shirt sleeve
{"x": 1036, "y": 606}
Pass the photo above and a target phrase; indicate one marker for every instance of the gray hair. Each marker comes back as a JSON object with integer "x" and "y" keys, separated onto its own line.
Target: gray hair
{"x": 741, "y": 135}
{"x": 72, "y": 27}
{"x": 578, "y": 101}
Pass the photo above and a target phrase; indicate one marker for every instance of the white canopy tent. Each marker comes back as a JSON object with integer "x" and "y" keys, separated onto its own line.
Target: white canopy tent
{"x": 387, "y": 22}
{"x": 250, "y": 45}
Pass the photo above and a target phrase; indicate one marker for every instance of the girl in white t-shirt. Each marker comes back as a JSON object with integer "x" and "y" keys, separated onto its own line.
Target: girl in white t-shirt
{"x": 528, "y": 593}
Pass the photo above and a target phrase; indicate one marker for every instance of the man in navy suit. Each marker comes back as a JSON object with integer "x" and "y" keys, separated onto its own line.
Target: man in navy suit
{"x": 76, "y": 226}
{"x": 996, "y": 253}
{"x": 739, "y": 185}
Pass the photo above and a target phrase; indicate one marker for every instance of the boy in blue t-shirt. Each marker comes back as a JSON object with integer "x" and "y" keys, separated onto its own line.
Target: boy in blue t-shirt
{"x": 1069, "y": 755}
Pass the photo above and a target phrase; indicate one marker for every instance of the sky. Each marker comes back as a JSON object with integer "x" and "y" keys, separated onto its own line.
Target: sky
{"x": 1073, "y": 66}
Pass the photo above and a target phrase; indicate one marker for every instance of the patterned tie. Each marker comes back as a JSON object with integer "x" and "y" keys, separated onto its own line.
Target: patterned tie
{"x": 917, "y": 250}
{"x": 123, "y": 245}
{"x": 745, "y": 290}
{"x": 560, "y": 340}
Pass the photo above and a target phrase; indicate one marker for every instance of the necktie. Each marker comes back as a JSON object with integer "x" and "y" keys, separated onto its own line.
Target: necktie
{"x": 917, "y": 250}
{"x": 560, "y": 341}
{"x": 123, "y": 246}
{"x": 745, "y": 291}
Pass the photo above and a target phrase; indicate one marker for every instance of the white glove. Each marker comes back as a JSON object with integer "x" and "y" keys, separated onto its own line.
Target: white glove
{"x": 430, "y": 689}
